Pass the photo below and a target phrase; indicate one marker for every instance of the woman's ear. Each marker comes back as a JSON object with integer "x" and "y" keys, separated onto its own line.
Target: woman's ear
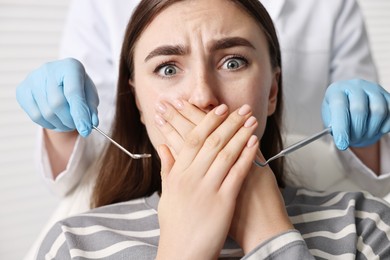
{"x": 273, "y": 94}
{"x": 131, "y": 86}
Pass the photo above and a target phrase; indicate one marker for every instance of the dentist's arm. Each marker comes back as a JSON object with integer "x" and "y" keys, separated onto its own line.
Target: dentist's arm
{"x": 358, "y": 112}
{"x": 60, "y": 97}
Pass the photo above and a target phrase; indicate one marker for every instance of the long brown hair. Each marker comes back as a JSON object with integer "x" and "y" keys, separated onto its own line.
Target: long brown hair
{"x": 122, "y": 178}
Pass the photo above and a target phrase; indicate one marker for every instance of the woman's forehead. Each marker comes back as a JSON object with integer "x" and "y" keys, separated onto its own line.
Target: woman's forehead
{"x": 203, "y": 20}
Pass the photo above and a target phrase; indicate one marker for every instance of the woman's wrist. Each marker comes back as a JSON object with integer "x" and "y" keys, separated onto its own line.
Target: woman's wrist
{"x": 253, "y": 239}
{"x": 260, "y": 211}
{"x": 271, "y": 220}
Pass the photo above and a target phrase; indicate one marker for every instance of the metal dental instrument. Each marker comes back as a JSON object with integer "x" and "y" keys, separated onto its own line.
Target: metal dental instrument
{"x": 295, "y": 146}
{"x": 132, "y": 155}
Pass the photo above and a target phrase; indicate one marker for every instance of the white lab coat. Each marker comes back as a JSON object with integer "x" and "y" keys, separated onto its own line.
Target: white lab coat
{"x": 322, "y": 41}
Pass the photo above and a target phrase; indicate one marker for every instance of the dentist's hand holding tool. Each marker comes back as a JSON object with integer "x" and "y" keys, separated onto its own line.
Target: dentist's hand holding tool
{"x": 357, "y": 111}
{"x": 60, "y": 96}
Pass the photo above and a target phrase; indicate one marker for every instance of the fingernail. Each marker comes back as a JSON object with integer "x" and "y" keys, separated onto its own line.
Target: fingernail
{"x": 178, "y": 104}
{"x": 252, "y": 141}
{"x": 245, "y": 109}
{"x": 250, "y": 121}
{"x": 161, "y": 108}
{"x": 222, "y": 109}
{"x": 159, "y": 120}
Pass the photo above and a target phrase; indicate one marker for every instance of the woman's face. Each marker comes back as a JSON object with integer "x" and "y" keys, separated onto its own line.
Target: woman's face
{"x": 207, "y": 53}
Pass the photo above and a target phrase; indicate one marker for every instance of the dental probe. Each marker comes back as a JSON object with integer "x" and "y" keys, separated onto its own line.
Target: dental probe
{"x": 295, "y": 146}
{"x": 132, "y": 155}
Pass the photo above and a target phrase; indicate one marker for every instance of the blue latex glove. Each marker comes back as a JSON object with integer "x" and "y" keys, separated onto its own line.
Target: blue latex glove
{"x": 60, "y": 96}
{"x": 358, "y": 112}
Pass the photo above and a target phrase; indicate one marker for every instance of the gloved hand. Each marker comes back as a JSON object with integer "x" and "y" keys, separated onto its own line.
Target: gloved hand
{"x": 60, "y": 96}
{"x": 357, "y": 111}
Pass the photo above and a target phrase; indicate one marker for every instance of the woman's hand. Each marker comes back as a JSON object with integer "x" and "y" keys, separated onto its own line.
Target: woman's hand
{"x": 182, "y": 117}
{"x": 200, "y": 186}
{"x": 260, "y": 211}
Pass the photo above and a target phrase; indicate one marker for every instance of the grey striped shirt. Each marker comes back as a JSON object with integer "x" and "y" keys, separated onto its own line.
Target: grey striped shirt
{"x": 343, "y": 225}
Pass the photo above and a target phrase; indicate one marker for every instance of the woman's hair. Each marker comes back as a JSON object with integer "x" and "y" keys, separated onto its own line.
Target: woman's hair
{"x": 122, "y": 178}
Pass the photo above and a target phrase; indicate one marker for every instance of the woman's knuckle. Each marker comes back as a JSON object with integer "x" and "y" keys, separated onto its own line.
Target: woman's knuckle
{"x": 213, "y": 141}
{"x": 192, "y": 140}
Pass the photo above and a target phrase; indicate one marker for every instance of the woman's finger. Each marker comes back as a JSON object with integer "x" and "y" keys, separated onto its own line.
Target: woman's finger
{"x": 173, "y": 125}
{"x": 172, "y": 137}
{"x": 179, "y": 122}
{"x": 189, "y": 111}
{"x": 195, "y": 140}
{"x": 214, "y": 146}
{"x": 229, "y": 155}
{"x": 239, "y": 171}
{"x": 167, "y": 161}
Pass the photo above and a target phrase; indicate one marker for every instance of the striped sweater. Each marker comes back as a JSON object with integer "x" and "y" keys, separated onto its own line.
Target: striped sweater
{"x": 342, "y": 225}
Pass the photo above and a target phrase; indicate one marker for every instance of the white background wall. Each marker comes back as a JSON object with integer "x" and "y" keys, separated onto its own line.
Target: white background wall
{"x": 29, "y": 35}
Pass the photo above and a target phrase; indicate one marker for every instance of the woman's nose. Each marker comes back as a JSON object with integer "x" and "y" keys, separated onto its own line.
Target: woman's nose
{"x": 204, "y": 93}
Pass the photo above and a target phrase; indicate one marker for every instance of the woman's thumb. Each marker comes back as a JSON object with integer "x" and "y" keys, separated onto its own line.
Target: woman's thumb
{"x": 167, "y": 160}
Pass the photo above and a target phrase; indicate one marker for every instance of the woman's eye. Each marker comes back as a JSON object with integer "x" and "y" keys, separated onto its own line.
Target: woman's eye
{"x": 234, "y": 63}
{"x": 166, "y": 70}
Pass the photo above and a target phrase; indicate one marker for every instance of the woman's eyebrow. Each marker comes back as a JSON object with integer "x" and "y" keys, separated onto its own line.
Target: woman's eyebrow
{"x": 230, "y": 42}
{"x": 221, "y": 44}
{"x": 167, "y": 50}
